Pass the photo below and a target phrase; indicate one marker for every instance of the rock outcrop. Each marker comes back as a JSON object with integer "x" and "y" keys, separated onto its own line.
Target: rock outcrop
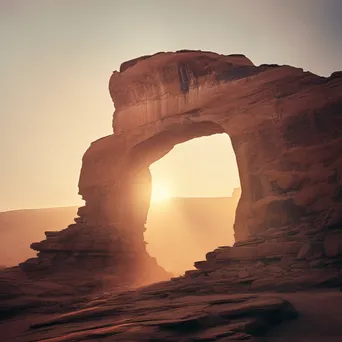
{"x": 287, "y": 259}
{"x": 286, "y": 130}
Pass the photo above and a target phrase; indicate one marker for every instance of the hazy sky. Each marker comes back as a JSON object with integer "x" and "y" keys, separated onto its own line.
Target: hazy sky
{"x": 57, "y": 56}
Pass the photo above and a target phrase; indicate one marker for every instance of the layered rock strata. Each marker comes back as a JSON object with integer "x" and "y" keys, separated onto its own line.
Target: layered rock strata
{"x": 285, "y": 126}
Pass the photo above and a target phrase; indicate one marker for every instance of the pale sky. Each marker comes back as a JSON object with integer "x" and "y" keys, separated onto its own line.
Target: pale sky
{"x": 57, "y": 56}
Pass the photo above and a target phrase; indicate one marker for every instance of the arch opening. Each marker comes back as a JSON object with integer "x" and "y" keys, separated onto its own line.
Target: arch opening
{"x": 169, "y": 214}
{"x": 195, "y": 191}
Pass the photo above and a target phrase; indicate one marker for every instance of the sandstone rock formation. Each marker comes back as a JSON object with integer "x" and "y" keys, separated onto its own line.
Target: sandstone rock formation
{"x": 285, "y": 126}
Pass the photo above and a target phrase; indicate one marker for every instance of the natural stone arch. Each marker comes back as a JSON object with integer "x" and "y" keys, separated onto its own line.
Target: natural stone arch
{"x": 280, "y": 121}
{"x": 252, "y": 104}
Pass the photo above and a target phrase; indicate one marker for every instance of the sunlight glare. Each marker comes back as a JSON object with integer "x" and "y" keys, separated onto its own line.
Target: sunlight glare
{"x": 160, "y": 192}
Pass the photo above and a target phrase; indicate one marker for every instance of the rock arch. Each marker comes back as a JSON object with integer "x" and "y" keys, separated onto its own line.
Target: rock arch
{"x": 285, "y": 126}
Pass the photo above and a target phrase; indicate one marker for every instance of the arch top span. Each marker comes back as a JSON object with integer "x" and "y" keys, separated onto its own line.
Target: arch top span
{"x": 168, "y": 84}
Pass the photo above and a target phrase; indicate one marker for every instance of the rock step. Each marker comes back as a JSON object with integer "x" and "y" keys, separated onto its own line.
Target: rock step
{"x": 263, "y": 250}
{"x": 79, "y": 220}
{"x": 50, "y": 234}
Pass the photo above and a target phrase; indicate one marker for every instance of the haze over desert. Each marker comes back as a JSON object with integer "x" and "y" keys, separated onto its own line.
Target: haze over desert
{"x": 176, "y": 229}
{"x": 171, "y": 171}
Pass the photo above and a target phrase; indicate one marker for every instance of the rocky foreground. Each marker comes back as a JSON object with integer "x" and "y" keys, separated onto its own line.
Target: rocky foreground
{"x": 223, "y": 299}
{"x": 151, "y": 315}
{"x": 170, "y": 311}
{"x": 238, "y": 293}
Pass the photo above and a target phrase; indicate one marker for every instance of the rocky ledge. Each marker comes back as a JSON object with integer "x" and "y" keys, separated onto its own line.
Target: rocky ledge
{"x": 287, "y": 259}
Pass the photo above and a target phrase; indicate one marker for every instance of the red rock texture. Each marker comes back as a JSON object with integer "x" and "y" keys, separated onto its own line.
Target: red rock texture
{"x": 285, "y": 126}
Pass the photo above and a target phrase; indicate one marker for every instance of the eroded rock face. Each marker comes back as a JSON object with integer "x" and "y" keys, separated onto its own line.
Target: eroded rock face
{"x": 285, "y": 126}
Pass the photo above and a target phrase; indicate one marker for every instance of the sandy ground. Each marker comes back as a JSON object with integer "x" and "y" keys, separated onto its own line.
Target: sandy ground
{"x": 320, "y": 318}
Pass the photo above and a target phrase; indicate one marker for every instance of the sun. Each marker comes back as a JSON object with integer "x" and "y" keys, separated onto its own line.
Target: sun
{"x": 160, "y": 192}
